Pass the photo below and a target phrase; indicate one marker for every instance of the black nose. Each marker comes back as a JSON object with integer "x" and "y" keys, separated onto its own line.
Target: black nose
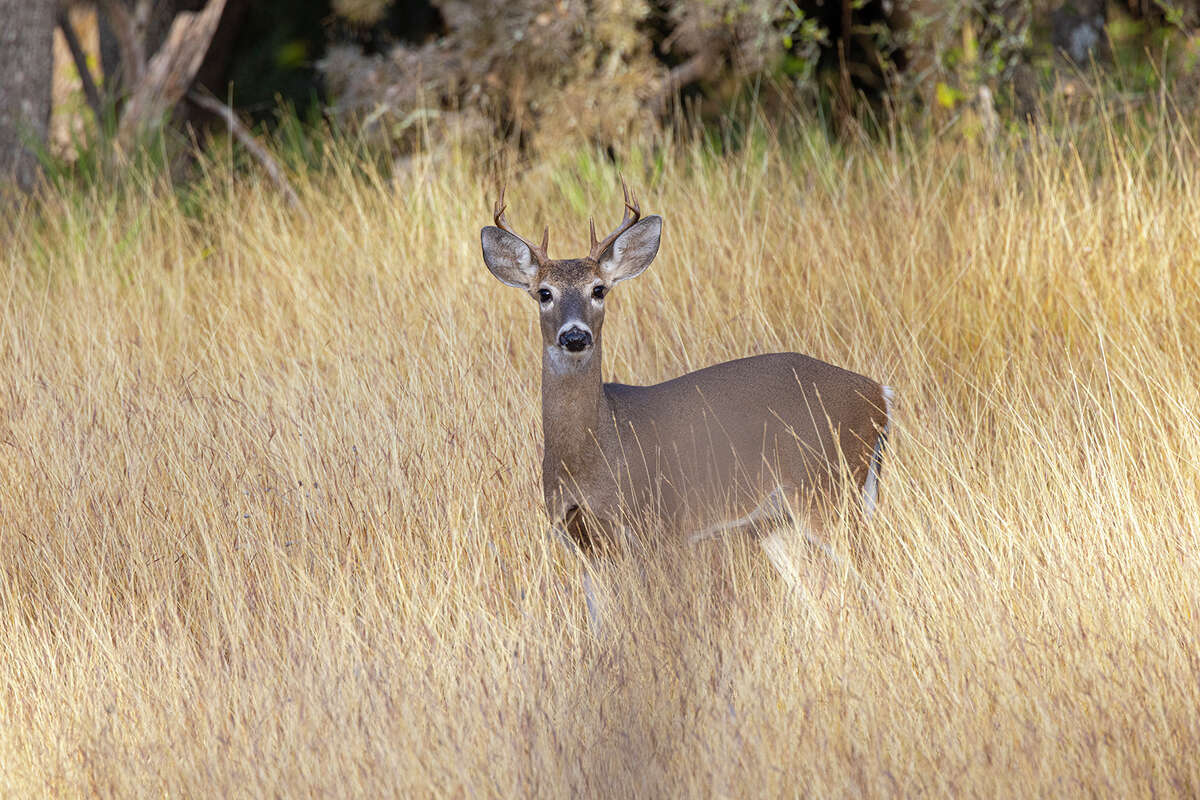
{"x": 575, "y": 339}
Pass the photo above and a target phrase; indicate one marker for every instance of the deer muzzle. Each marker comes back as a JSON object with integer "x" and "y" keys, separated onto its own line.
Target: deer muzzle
{"x": 575, "y": 339}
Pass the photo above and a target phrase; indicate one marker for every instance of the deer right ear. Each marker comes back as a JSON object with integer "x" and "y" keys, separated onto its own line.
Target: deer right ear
{"x": 508, "y": 258}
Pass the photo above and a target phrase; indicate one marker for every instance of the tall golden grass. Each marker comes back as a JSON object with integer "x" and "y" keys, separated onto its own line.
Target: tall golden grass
{"x": 272, "y": 520}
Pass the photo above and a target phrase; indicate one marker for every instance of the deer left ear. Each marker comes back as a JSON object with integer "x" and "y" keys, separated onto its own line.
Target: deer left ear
{"x": 633, "y": 251}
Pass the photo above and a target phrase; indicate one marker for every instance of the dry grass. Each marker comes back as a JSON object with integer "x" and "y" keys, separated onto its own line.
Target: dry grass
{"x": 272, "y": 517}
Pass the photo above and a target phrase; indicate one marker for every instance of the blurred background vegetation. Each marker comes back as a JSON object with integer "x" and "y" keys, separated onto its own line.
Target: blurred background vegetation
{"x": 519, "y": 77}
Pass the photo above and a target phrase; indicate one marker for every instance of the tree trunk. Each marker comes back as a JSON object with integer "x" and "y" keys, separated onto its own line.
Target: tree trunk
{"x": 213, "y": 71}
{"x": 26, "y": 70}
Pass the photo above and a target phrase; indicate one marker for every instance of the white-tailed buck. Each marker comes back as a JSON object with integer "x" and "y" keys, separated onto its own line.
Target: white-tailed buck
{"x": 753, "y": 444}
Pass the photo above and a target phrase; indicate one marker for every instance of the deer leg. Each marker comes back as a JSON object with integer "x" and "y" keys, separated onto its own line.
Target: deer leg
{"x": 591, "y": 596}
{"x": 595, "y": 604}
{"x": 802, "y": 585}
{"x": 771, "y": 517}
{"x": 571, "y": 532}
{"x": 558, "y": 533}
{"x": 773, "y": 509}
{"x": 812, "y": 536}
{"x": 774, "y": 545}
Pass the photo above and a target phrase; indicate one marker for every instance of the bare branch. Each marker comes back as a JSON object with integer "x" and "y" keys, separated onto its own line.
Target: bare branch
{"x": 252, "y": 145}
{"x": 130, "y": 39}
{"x": 695, "y": 68}
{"x": 80, "y": 58}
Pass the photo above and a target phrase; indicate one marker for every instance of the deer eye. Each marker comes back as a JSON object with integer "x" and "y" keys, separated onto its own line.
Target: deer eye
{"x": 599, "y": 291}
{"x": 545, "y": 296}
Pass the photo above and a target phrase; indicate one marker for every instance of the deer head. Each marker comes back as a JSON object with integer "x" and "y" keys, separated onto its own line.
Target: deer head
{"x": 570, "y": 292}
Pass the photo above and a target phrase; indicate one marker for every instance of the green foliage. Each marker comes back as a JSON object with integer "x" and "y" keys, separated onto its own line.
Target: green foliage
{"x": 275, "y": 50}
{"x": 948, "y": 96}
{"x": 91, "y": 159}
{"x": 533, "y": 75}
{"x": 802, "y": 38}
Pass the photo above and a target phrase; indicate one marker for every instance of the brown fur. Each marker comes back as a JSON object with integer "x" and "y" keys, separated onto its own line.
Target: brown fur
{"x": 707, "y": 446}
{"x": 699, "y": 450}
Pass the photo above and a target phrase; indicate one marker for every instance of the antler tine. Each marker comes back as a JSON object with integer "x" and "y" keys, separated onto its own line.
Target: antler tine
{"x": 539, "y": 253}
{"x": 498, "y": 212}
{"x": 633, "y": 212}
{"x": 631, "y": 201}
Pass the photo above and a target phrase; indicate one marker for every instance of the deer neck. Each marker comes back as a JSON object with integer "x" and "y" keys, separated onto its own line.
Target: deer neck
{"x": 574, "y": 410}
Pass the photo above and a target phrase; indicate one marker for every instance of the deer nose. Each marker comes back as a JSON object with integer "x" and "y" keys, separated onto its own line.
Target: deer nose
{"x": 575, "y": 339}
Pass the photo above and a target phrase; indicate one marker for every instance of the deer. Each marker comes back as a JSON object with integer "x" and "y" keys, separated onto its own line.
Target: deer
{"x": 757, "y": 444}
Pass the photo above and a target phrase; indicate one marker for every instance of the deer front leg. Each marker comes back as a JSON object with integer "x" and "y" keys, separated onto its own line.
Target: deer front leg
{"x": 572, "y": 531}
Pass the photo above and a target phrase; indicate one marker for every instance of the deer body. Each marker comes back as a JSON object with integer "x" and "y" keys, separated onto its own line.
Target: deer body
{"x": 744, "y": 444}
{"x": 709, "y": 445}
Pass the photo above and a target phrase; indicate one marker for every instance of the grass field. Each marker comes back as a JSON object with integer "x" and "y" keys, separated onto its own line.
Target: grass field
{"x": 272, "y": 519}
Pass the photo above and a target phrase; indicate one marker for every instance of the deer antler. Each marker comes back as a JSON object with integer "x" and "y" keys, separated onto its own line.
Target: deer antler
{"x": 633, "y": 212}
{"x": 539, "y": 253}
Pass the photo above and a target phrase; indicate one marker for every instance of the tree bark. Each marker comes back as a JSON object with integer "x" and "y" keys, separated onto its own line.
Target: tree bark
{"x": 162, "y": 13}
{"x": 26, "y": 71}
{"x": 169, "y": 73}
{"x": 151, "y": 22}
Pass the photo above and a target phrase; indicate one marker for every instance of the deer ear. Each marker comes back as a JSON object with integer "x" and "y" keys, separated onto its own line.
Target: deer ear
{"x": 633, "y": 251}
{"x": 508, "y": 258}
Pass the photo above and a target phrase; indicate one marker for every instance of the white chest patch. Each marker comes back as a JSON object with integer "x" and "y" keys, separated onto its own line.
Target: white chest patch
{"x": 563, "y": 363}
